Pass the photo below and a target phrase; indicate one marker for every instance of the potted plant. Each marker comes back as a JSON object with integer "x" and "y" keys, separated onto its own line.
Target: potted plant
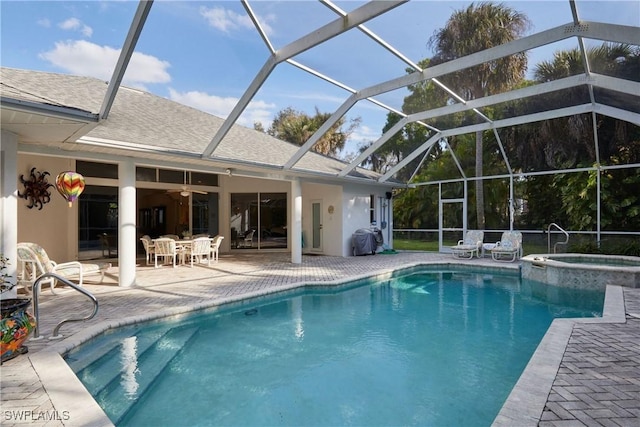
{"x": 16, "y": 323}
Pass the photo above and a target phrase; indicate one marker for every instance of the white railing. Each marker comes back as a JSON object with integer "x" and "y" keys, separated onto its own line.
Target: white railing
{"x": 36, "y": 312}
{"x": 553, "y": 224}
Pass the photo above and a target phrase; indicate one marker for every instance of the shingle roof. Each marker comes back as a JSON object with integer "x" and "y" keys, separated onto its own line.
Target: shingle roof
{"x": 144, "y": 119}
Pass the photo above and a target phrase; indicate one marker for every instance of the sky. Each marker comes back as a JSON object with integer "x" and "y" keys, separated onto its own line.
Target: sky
{"x": 205, "y": 53}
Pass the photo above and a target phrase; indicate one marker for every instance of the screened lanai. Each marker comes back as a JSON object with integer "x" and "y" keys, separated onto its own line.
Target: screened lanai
{"x": 550, "y": 144}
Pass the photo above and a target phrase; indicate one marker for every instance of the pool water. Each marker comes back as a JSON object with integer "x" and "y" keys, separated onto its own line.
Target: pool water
{"x": 427, "y": 348}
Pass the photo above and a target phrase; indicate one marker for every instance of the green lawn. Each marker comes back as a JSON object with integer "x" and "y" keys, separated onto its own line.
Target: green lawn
{"x": 431, "y": 246}
{"x": 414, "y": 245}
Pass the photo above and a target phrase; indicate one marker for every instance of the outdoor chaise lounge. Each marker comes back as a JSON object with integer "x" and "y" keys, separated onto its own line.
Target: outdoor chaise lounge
{"x": 471, "y": 244}
{"x": 509, "y": 248}
{"x": 34, "y": 262}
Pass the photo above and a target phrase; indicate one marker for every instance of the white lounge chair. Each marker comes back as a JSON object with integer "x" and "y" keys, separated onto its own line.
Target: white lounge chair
{"x": 509, "y": 248}
{"x": 472, "y": 244}
{"x": 34, "y": 262}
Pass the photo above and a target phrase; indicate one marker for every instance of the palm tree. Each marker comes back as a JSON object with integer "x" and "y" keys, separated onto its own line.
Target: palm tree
{"x": 571, "y": 139}
{"x": 478, "y": 27}
{"x": 297, "y": 127}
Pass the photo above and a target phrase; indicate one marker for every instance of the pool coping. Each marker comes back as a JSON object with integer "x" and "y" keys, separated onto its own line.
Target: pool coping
{"x": 527, "y": 399}
{"x": 523, "y": 407}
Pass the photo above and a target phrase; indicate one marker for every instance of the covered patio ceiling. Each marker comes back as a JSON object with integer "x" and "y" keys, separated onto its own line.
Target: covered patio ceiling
{"x": 369, "y": 22}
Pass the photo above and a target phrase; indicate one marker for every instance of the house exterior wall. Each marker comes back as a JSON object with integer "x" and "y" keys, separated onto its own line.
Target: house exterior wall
{"x": 357, "y": 213}
{"x": 344, "y": 209}
{"x": 55, "y": 227}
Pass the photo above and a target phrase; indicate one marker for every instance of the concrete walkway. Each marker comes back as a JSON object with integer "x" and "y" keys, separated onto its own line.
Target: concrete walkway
{"x": 582, "y": 373}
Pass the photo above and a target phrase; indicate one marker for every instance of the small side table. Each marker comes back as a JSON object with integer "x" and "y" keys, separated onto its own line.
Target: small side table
{"x": 487, "y": 247}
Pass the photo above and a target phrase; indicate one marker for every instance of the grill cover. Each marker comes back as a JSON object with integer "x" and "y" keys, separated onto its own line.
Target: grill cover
{"x": 365, "y": 241}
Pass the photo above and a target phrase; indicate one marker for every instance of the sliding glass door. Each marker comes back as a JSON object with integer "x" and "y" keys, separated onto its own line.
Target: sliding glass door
{"x": 259, "y": 220}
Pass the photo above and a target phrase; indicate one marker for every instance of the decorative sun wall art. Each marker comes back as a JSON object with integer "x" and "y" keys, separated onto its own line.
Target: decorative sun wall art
{"x": 36, "y": 189}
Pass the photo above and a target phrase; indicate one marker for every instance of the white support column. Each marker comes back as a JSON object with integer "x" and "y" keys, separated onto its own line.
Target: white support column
{"x": 390, "y": 223}
{"x": 440, "y": 211}
{"x": 9, "y": 205}
{"x": 296, "y": 222}
{"x": 127, "y": 242}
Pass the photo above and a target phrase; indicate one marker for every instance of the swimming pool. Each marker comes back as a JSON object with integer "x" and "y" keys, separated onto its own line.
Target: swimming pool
{"x": 423, "y": 348}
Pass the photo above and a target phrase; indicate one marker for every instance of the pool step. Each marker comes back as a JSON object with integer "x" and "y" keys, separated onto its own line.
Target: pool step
{"x": 138, "y": 372}
{"x": 105, "y": 362}
{"x": 91, "y": 351}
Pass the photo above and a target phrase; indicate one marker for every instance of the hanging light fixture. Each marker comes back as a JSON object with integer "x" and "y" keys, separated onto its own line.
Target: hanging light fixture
{"x": 184, "y": 192}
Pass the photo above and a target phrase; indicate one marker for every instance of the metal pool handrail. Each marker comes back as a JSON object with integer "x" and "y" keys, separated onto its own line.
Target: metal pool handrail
{"x": 36, "y": 292}
{"x": 553, "y": 224}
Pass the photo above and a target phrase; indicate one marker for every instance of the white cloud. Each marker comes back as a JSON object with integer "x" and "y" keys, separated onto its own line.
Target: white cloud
{"x": 256, "y": 111}
{"x": 227, "y": 20}
{"x": 364, "y": 135}
{"x": 74, "y": 24}
{"x": 44, "y": 22}
{"x": 89, "y": 59}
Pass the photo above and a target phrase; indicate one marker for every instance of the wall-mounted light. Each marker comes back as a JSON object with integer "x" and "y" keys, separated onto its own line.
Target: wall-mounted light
{"x": 229, "y": 172}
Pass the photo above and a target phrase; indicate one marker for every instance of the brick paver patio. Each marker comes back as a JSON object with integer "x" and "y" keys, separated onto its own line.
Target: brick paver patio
{"x": 597, "y": 383}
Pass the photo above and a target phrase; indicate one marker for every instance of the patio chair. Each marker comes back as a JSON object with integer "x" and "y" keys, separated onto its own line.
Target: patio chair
{"x": 247, "y": 241}
{"x": 509, "y": 248}
{"x": 215, "y": 247}
{"x": 166, "y": 248}
{"x": 471, "y": 244}
{"x": 199, "y": 248}
{"x": 149, "y": 247}
{"x": 34, "y": 262}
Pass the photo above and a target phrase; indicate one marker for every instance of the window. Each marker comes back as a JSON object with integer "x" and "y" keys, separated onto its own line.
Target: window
{"x": 171, "y": 176}
{"x": 204, "y": 213}
{"x": 97, "y": 222}
{"x": 372, "y": 208}
{"x": 174, "y": 176}
{"x": 146, "y": 174}
{"x": 97, "y": 170}
{"x": 199, "y": 178}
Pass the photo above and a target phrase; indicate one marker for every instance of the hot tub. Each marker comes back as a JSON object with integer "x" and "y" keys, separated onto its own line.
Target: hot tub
{"x": 582, "y": 270}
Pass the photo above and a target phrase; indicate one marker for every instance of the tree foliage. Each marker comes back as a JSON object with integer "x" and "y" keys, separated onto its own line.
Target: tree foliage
{"x": 478, "y": 27}
{"x": 475, "y": 28}
{"x": 569, "y": 199}
{"x": 297, "y": 127}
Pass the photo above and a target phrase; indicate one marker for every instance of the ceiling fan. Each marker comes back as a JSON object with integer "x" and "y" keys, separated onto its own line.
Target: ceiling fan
{"x": 185, "y": 190}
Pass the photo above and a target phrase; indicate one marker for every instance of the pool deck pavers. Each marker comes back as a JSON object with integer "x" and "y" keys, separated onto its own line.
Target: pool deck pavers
{"x": 584, "y": 372}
